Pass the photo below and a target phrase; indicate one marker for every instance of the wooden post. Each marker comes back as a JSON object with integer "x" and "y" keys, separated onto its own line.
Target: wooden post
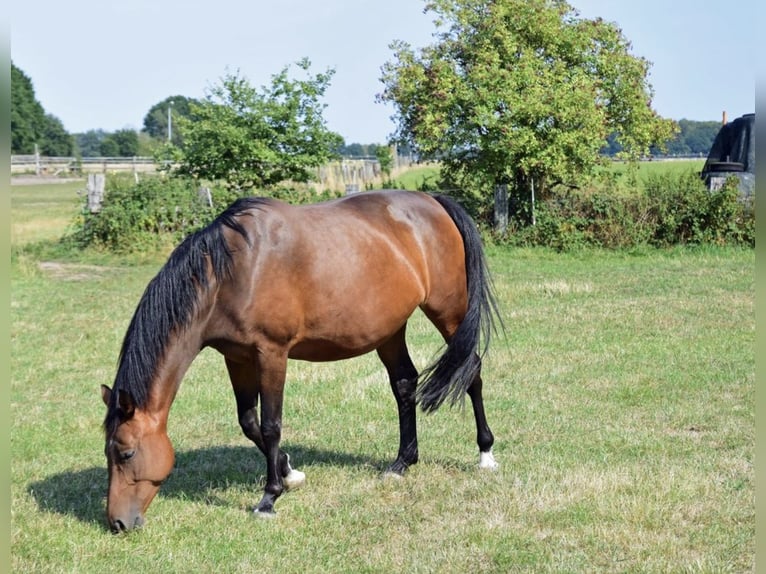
{"x": 205, "y": 197}
{"x": 501, "y": 208}
{"x": 96, "y": 183}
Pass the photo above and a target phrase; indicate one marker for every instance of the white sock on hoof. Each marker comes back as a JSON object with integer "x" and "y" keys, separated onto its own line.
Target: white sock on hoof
{"x": 264, "y": 515}
{"x": 390, "y": 475}
{"x": 294, "y": 479}
{"x": 487, "y": 461}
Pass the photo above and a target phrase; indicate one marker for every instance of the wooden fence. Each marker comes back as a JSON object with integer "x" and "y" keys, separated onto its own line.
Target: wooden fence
{"x": 342, "y": 175}
{"x": 47, "y": 165}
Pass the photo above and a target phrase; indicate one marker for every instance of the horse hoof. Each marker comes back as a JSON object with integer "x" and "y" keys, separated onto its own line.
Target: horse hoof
{"x": 391, "y": 475}
{"x": 294, "y": 479}
{"x": 265, "y": 514}
{"x": 487, "y": 461}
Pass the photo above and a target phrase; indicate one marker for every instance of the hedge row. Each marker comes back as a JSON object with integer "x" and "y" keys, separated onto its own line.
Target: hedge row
{"x": 665, "y": 210}
{"x": 156, "y": 212}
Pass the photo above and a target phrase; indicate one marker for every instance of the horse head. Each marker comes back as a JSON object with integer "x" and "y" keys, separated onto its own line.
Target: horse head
{"x": 139, "y": 458}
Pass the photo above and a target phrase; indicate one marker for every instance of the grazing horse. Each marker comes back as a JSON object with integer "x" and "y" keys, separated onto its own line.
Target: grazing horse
{"x": 266, "y": 282}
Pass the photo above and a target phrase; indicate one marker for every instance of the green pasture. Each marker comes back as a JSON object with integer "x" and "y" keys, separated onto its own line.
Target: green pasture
{"x": 621, "y": 397}
{"x": 649, "y": 168}
{"x": 414, "y": 177}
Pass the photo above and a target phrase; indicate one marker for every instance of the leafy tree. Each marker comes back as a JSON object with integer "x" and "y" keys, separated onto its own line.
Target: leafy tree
{"x": 27, "y": 115}
{"x": 156, "y": 119}
{"x": 30, "y": 124}
{"x": 56, "y": 141}
{"x": 354, "y": 150}
{"x": 385, "y": 159}
{"x": 127, "y": 142}
{"x": 612, "y": 147}
{"x": 693, "y": 137}
{"x": 109, "y": 147}
{"x": 89, "y": 143}
{"x": 698, "y": 136}
{"x": 122, "y": 143}
{"x": 250, "y": 138}
{"x": 359, "y": 150}
{"x": 520, "y": 91}
{"x": 147, "y": 145}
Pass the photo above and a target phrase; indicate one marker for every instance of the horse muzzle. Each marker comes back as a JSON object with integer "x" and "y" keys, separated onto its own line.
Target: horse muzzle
{"x": 121, "y": 525}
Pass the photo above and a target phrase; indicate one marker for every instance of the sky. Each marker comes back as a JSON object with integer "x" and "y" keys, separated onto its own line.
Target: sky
{"x": 102, "y": 64}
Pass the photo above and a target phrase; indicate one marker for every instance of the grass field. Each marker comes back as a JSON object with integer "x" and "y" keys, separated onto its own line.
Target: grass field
{"x": 416, "y": 176}
{"x": 621, "y": 398}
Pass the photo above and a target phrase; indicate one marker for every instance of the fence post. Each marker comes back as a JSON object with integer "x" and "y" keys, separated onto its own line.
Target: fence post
{"x": 501, "y": 207}
{"x": 96, "y": 183}
{"x": 205, "y": 197}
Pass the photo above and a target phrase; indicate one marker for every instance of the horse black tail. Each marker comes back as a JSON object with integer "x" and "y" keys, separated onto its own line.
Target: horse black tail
{"x": 452, "y": 373}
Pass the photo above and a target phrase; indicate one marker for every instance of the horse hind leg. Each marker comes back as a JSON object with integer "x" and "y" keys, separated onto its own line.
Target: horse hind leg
{"x": 484, "y": 437}
{"x": 447, "y": 323}
{"x": 403, "y": 377}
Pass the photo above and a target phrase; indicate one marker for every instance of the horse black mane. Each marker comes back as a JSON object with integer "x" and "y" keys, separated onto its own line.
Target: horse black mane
{"x": 170, "y": 300}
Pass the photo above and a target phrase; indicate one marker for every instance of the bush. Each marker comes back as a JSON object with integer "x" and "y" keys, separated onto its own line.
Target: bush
{"x": 663, "y": 210}
{"x": 147, "y": 215}
{"x": 685, "y": 212}
{"x": 569, "y": 220}
{"x": 158, "y": 212}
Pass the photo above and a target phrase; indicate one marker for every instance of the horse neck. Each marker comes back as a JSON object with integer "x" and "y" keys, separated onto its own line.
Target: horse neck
{"x": 183, "y": 346}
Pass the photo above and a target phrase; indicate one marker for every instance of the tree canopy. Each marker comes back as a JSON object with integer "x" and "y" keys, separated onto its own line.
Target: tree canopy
{"x": 31, "y": 125}
{"x": 248, "y": 138}
{"x": 156, "y": 119}
{"x": 122, "y": 143}
{"x": 694, "y": 137}
{"x": 518, "y": 91}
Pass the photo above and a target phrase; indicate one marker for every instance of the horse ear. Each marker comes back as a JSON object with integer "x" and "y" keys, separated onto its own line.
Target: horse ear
{"x": 106, "y": 394}
{"x": 126, "y": 404}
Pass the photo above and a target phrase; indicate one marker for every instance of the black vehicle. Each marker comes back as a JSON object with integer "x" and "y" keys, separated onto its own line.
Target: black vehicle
{"x": 733, "y": 155}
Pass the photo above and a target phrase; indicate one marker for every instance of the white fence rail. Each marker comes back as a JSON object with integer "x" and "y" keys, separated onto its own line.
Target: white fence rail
{"x": 47, "y": 165}
{"x": 344, "y": 174}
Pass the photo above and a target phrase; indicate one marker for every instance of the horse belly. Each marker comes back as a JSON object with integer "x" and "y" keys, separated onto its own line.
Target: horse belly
{"x": 354, "y": 325}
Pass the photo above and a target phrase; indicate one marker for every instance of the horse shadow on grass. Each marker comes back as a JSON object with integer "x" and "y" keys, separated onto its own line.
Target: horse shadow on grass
{"x": 197, "y": 473}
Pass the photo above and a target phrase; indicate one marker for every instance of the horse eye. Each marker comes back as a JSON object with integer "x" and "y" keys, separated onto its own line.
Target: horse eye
{"x": 127, "y": 455}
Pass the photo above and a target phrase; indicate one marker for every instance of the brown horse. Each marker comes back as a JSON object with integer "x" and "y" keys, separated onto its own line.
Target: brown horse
{"x": 267, "y": 282}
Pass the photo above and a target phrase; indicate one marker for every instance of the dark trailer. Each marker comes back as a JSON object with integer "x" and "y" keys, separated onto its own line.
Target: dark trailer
{"x": 733, "y": 155}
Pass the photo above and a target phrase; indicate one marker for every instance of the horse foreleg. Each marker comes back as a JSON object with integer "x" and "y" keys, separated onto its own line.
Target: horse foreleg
{"x": 244, "y": 383}
{"x": 248, "y": 420}
{"x": 271, "y": 383}
{"x": 403, "y": 378}
{"x": 484, "y": 437}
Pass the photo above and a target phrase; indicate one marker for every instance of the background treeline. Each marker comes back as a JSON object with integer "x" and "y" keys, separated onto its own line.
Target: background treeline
{"x": 31, "y": 124}
{"x": 693, "y": 138}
